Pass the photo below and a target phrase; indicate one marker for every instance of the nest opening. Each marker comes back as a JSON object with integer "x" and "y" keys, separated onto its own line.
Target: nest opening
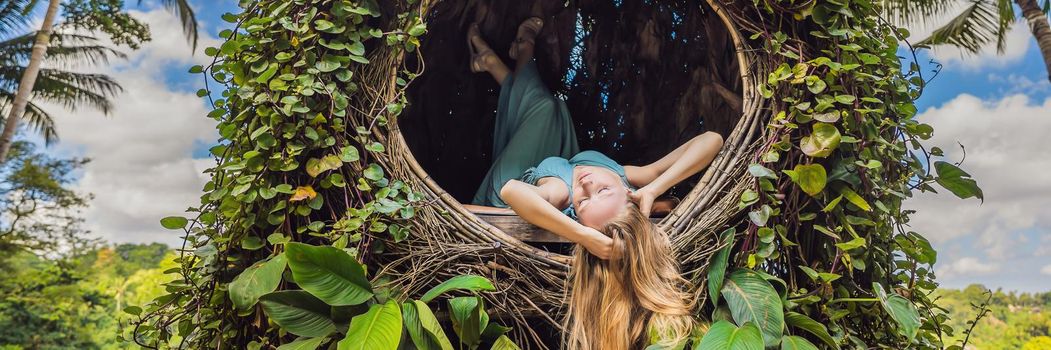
{"x": 640, "y": 78}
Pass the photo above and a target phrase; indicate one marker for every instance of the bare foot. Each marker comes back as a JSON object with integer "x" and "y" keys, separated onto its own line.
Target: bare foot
{"x": 526, "y": 37}
{"x": 482, "y": 56}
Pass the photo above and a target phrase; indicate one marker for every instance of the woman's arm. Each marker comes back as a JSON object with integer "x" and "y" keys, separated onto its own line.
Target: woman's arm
{"x": 529, "y": 202}
{"x": 656, "y": 178}
{"x": 487, "y": 210}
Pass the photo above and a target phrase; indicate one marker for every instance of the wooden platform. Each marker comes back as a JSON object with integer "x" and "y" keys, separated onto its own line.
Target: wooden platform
{"x": 518, "y": 228}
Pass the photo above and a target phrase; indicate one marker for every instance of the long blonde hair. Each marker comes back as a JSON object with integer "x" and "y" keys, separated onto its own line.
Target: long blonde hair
{"x": 614, "y": 304}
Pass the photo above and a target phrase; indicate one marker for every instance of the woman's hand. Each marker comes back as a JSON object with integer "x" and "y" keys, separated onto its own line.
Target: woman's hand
{"x": 644, "y": 198}
{"x": 601, "y": 246}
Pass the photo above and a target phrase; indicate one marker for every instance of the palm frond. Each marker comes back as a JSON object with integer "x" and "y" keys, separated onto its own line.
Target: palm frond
{"x": 186, "y": 16}
{"x": 35, "y": 117}
{"x": 12, "y": 15}
{"x": 65, "y": 50}
{"x": 68, "y": 89}
{"x": 1007, "y": 19}
{"x": 977, "y": 25}
{"x": 905, "y": 12}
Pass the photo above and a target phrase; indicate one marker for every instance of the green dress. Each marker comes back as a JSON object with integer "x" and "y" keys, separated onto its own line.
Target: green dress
{"x": 534, "y": 138}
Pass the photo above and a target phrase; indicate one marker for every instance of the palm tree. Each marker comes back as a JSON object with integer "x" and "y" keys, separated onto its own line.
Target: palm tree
{"x": 979, "y": 23}
{"x": 57, "y": 85}
{"x": 64, "y": 87}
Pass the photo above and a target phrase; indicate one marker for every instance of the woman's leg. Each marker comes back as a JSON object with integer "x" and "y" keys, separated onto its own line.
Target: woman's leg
{"x": 525, "y": 40}
{"x": 486, "y": 59}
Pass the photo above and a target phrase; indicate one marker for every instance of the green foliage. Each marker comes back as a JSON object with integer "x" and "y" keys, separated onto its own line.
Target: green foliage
{"x": 37, "y": 206}
{"x": 753, "y": 300}
{"x": 299, "y": 313}
{"x": 298, "y": 177}
{"x": 109, "y": 17}
{"x": 1014, "y": 320}
{"x": 302, "y": 172}
{"x": 464, "y": 282}
{"x": 76, "y": 301}
{"x": 329, "y": 274}
{"x": 379, "y": 328}
{"x": 261, "y": 278}
{"x": 725, "y": 335}
{"x": 843, "y": 150}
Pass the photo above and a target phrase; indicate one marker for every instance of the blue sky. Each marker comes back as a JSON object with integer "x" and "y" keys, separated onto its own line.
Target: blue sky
{"x": 149, "y": 155}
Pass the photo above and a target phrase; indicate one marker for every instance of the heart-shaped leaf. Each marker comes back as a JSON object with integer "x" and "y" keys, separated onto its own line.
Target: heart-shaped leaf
{"x": 822, "y": 141}
{"x": 810, "y": 177}
{"x": 957, "y": 181}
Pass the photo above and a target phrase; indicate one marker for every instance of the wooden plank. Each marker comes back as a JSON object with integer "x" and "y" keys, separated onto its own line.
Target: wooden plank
{"x": 518, "y": 228}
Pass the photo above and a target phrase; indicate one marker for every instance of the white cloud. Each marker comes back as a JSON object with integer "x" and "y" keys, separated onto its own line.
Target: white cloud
{"x": 1007, "y": 154}
{"x": 1046, "y": 270}
{"x": 141, "y": 168}
{"x": 1018, "y": 41}
{"x": 1014, "y": 84}
{"x": 967, "y": 266}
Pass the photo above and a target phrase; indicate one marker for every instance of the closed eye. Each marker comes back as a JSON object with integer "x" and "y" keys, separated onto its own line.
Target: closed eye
{"x": 585, "y": 199}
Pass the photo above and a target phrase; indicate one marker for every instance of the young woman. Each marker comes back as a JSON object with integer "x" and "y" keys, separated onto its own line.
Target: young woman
{"x": 629, "y": 285}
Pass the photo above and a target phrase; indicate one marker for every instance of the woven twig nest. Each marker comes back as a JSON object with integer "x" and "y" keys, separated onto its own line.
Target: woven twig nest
{"x": 449, "y": 240}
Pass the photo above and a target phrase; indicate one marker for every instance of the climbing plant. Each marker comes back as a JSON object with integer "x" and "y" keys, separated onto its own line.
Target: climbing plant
{"x": 311, "y": 227}
{"x": 827, "y": 251}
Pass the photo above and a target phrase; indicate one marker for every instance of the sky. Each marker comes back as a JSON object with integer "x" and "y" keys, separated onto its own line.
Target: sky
{"x": 149, "y": 155}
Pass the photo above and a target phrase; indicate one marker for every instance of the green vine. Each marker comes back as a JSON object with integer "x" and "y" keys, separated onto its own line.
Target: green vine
{"x": 827, "y": 224}
{"x": 302, "y": 200}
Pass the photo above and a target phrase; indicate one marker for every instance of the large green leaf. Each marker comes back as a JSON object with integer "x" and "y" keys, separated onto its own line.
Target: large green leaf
{"x": 423, "y": 327}
{"x": 717, "y": 270}
{"x": 377, "y": 329}
{"x": 468, "y": 282}
{"x": 299, "y": 313}
{"x": 725, "y": 336}
{"x": 801, "y": 321}
{"x": 792, "y": 342}
{"x": 810, "y": 177}
{"x": 468, "y": 321}
{"x": 255, "y": 281}
{"x": 901, "y": 310}
{"x": 303, "y": 344}
{"x": 328, "y": 273}
{"x": 752, "y": 299}
{"x": 822, "y": 141}
{"x": 504, "y": 343}
{"x": 958, "y": 181}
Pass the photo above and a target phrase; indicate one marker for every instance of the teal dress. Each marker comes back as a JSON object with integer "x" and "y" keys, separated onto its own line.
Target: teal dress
{"x": 534, "y": 138}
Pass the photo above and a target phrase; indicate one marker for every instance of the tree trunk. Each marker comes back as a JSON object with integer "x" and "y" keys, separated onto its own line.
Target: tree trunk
{"x": 25, "y": 87}
{"x": 1039, "y": 26}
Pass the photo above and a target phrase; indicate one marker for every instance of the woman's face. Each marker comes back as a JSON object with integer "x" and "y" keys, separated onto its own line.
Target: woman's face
{"x": 598, "y": 195}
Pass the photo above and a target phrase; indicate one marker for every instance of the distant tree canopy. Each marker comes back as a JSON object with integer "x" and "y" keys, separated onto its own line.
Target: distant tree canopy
{"x": 1015, "y": 320}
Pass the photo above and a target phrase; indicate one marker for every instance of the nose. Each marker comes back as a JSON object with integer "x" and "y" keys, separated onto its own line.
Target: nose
{"x": 588, "y": 185}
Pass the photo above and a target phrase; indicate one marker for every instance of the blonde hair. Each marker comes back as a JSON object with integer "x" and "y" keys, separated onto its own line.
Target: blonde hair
{"x": 614, "y": 304}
